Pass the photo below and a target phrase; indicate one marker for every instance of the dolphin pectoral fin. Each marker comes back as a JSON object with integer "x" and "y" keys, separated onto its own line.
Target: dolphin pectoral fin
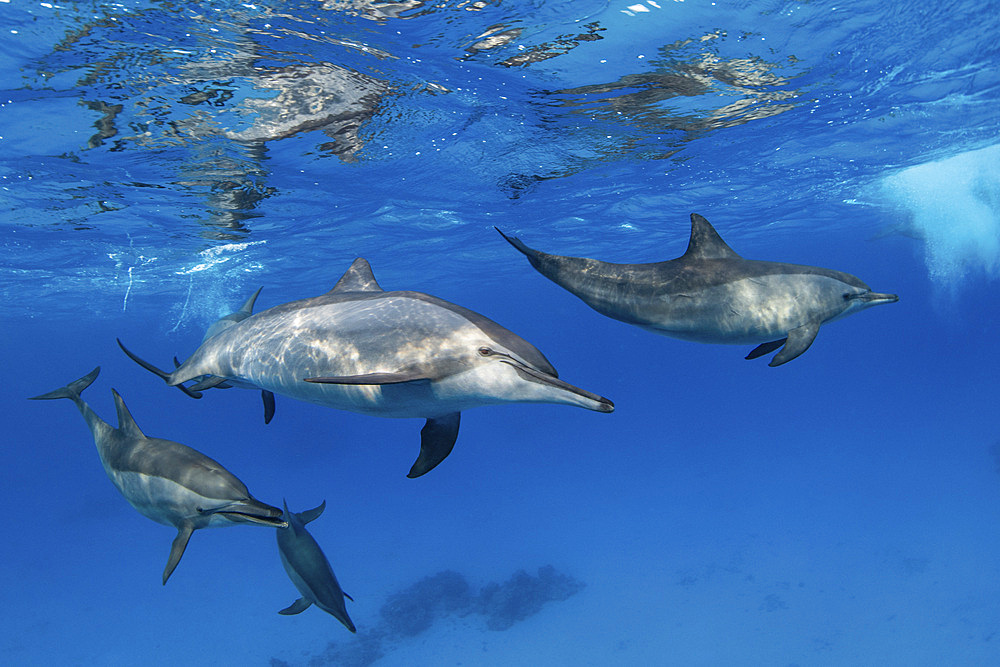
{"x": 799, "y": 340}
{"x": 154, "y": 370}
{"x": 371, "y": 378}
{"x": 296, "y": 607}
{"x": 765, "y": 348}
{"x": 209, "y": 382}
{"x": 437, "y": 439}
{"x": 177, "y": 550}
{"x": 268, "y": 399}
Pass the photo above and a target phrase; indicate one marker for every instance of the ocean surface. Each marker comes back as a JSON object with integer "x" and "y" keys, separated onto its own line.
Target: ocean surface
{"x": 160, "y": 161}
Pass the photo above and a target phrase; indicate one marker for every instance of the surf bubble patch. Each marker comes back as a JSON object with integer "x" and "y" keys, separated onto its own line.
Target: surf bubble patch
{"x": 954, "y": 204}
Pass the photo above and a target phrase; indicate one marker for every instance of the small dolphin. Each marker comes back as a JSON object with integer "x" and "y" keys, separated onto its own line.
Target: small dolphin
{"x": 166, "y": 481}
{"x": 309, "y": 569}
{"x": 220, "y": 325}
{"x": 388, "y": 354}
{"x": 712, "y": 295}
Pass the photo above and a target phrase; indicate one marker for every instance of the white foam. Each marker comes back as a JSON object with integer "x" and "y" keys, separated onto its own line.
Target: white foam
{"x": 955, "y": 208}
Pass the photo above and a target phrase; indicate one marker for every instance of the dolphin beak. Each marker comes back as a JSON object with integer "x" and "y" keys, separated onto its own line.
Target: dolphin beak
{"x": 599, "y": 403}
{"x": 875, "y": 298}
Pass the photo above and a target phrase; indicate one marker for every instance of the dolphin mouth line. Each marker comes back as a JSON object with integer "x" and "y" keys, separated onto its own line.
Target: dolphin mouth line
{"x": 605, "y": 405}
{"x": 277, "y": 522}
{"x": 876, "y": 297}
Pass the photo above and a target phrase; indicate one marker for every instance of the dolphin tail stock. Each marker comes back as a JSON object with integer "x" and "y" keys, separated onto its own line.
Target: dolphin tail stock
{"x": 71, "y": 391}
{"x": 532, "y": 254}
{"x": 154, "y": 370}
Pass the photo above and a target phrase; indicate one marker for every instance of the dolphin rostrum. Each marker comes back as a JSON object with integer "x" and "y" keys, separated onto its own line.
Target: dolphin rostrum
{"x": 712, "y": 295}
{"x": 166, "y": 481}
{"x": 388, "y": 354}
{"x": 309, "y": 569}
{"x": 220, "y": 325}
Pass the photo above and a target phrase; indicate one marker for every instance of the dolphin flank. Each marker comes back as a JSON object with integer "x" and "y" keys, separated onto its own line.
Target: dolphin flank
{"x": 166, "y": 481}
{"x": 387, "y": 354}
{"x": 712, "y": 295}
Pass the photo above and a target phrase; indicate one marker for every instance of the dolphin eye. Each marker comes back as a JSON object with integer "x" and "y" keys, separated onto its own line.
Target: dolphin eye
{"x": 847, "y": 296}
{"x": 485, "y": 351}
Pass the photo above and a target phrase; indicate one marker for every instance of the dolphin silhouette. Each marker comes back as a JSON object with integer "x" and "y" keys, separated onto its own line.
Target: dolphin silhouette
{"x": 712, "y": 295}
{"x": 309, "y": 570}
{"x": 388, "y": 354}
{"x": 166, "y": 481}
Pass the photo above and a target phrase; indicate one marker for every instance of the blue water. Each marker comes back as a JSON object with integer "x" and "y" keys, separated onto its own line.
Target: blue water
{"x": 160, "y": 161}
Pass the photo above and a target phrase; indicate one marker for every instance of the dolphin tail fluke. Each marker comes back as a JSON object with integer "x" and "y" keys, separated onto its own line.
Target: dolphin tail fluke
{"x": 296, "y": 607}
{"x": 437, "y": 439}
{"x": 310, "y": 515}
{"x": 72, "y": 390}
{"x": 268, "y": 400}
{"x": 799, "y": 340}
{"x": 154, "y": 370}
{"x": 177, "y": 550}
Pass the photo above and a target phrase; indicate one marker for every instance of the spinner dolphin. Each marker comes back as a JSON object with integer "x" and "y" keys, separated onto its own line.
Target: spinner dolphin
{"x": 388, "y": 354}
{"x": 309, "y": 570}
{"x": 712, "y": 295}
{"x": 166, "y": 481}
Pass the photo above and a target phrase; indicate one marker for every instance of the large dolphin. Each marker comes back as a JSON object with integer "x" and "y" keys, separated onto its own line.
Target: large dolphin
{"x": 389, "y": 354}
{"x": 712, "y": 295}
{"x": 166, "y": 481}
{"x": 309, "y": 570}
{"x": 223, "y": 323}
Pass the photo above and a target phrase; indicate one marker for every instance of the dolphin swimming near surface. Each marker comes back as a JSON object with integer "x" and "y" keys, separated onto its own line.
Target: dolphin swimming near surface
{"x": 309, "y": 569}
{"x": 166, "y": 481}
{"x": 220, "y": 325}
{"x": 712, "y": 295}
{"x": 388, "y": 354}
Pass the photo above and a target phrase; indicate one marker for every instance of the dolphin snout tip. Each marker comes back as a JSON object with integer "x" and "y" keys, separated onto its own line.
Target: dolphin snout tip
{"x": 884, "y": 298}
{"x": 605, "y": 405}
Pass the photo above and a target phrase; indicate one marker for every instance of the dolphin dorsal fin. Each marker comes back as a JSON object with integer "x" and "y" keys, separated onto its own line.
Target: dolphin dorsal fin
{"x": 358, "y": 278}
{"x": 706, "y": 243}
{"x": 247, "y": 308}
{"x": 126, "y": 424}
